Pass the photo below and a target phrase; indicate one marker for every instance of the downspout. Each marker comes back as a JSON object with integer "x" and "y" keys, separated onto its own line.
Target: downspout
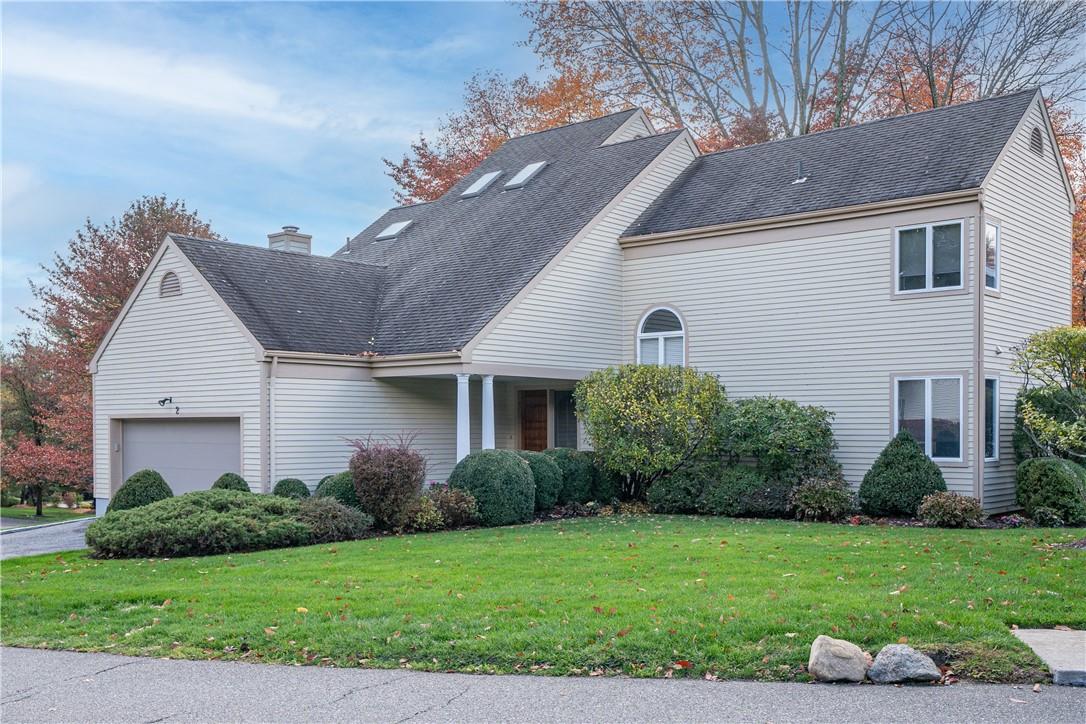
{"x": 271, "y": 420}
{"x": 979, "y": 271}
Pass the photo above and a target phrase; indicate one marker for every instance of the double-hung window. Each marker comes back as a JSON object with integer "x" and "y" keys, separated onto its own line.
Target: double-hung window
{"x": 929, "y": 258}
{"x": 991, "y": 256}
{"x": 930, "y": 409}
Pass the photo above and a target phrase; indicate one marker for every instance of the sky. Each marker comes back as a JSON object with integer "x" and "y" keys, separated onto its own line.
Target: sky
{"x": 258, "y": 115}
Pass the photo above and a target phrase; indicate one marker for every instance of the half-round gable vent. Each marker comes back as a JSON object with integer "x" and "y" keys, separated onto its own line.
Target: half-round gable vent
{"x": 1036, "y": 141}
{"x": 170, "y": 286}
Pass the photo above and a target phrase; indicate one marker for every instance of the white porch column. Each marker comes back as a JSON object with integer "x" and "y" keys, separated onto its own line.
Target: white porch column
{"x": 488, "y": 412}
{"x": 463, "y": 417}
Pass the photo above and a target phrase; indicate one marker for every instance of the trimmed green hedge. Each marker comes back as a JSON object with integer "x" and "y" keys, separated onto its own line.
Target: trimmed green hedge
{"x": 1053, "y": 486}
{"x": 547, "y": 476}
{"x": 291, "y": 488}
{"x": 142, "y": 488}
{"x": 330, "y": 521}
{"x": 501, "y": 483}
{"x": 231, "y": 481}
{"x": 341, "y": 487}
{"x": 578, "y": 473}
{"x": 899, "y": 479}
{"x": 741, "y": 491}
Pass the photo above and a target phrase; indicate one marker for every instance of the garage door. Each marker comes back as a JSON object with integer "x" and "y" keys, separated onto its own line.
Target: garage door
{"x": 190, "y": 454}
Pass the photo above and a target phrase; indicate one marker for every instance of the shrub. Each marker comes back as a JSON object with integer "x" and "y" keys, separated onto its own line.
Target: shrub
{"x": 547, "y": 476}
{"x": 1053, "y": 421}
{"x": 823, "y": 499}
{"x": 388, "y": 476}
{"x": 786, "y": 440}
{"x": 1047, "y": 518}
{"x": 341, "y": 487}
{"x": 329, "y": 520}
{"x": 899, "y": 479}
{"x": 681, "y": 491}
{"x": 457, "y": 507}
{"x": 950, "y": 510}
{"x": 1055, "y": 484}
{"x": 423, "y": 515}
{"x": 291, "y": 488}
{"x": 577, "y": 474}
{"x": 646, "y": 421}
{"x": 742, "y": 491}
{"x": 501, "y": 483}
{"x": 142, "y": 488}
{"x": 1049, "y": 407}
{"x": 607, "y": 485}
{"x": 206, "y": 522}
{"x": 231, "y": 481}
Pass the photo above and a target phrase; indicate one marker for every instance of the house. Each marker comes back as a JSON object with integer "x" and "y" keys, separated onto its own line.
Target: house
{"x": 884, "y": 271}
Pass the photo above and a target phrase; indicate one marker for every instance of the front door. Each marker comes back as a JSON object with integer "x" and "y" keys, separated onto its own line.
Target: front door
{"x": 533, "y": 419}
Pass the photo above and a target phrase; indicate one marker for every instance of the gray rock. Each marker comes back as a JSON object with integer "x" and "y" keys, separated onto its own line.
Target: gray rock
{"x": 837, "y": 660}
{"x": 898, "y": 663}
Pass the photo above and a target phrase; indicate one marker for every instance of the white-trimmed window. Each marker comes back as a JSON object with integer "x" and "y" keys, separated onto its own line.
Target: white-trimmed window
{"x": 991, "y": 256}
{"x": 661, "y": 339}
{"x": 170, "y": 286}
{"x": 991, "y": 418}
{"x": 930, "y": 409}
{"x": 929, "y": 258}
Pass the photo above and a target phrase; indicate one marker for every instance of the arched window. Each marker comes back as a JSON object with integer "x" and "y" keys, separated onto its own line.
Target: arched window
{"x": 661, "y": 339}
{"x": 170, "y": 286}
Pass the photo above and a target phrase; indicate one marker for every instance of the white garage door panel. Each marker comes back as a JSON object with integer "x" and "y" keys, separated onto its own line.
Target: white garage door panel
{"x": 189, "y": 454}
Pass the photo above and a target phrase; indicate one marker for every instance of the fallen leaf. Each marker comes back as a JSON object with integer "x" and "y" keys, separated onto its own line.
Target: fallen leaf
{"x": 1036, "y": 688}
{"x": 683, "y": 664}
{"x": 302, "y": 609}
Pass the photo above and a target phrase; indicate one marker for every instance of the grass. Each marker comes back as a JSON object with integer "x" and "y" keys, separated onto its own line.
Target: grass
{"x": 50, "y": 514}
{"x": 639, "y": 595}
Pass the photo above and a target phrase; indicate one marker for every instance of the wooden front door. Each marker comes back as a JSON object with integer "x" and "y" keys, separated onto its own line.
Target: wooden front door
{"x": 533, "y": 419}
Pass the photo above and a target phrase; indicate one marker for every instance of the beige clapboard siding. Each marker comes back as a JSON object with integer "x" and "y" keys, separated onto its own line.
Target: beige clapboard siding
{"x": 1025, "y": 195}
{"x": 573, "y": 317}
{"x": 186, "y": 347}
{"x": 636, "y": 127}
{"x": 316, "y": 418}
{"x": 810, "y": 319}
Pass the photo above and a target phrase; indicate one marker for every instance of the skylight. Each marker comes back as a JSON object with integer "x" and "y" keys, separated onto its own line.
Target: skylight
{"x": 481, "y": 184}
{"x": 525, "y": 175}
{"x": 393, "y": 230}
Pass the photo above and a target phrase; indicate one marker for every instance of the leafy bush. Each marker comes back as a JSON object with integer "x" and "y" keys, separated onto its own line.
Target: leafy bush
{"x": 206, "y": 522}
{"x": 231, "y": 481}
{"x": 681, "y": 491}
{"x": 457, "y": 507}
{"x": 547, "y": 476}
{"x": 899, "y": 479}
{"x": 330, "y": 521}
{"x": 291, "y": 488}
{"x": 1054, "y": 484}
{"x": 423, "y": 515}
{"x": 1053, "y": 421}
{"x": 142, "y": 488}
{"x": 646, "y": 421}
{"x": 501, "y": 483}
{"x": 823, "y": 499}
{"x": 1049, "y": 404}
{"x": 950, "y": 510}
{"x": 341, "y": 487}
{"x": 578, "y": 474}
{"x": 742, "y": 491}
{"x": 1047, "y": 518}
{"x": 607, "y": 485}
{"x": 388, "y": 476}
{"x": 786, "y": 440}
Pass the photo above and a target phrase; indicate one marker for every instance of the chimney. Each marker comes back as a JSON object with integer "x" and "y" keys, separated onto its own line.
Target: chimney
{"x": 289, "y": 239}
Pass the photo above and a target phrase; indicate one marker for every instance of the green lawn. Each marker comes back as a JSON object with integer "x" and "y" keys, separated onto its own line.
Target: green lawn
{"x": 640, "y": 595}
{"x": 49, "y": 514}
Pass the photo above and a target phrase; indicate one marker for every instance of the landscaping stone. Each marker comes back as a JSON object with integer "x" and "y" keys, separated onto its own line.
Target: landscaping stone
{"x": 837, "y": 660}
{"x": 898, "y": 663}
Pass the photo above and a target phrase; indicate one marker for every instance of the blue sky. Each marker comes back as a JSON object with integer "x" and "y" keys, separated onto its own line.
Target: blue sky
{"x": 258, "y": 115}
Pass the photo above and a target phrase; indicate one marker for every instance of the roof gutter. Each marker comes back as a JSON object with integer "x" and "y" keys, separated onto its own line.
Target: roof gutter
{"x": 810, "y": 217}
{"x": 363, "y": 360}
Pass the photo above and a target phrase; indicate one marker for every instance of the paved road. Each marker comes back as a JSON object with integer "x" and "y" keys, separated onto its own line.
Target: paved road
{"x": 61, "y": 686}
{"x": 45, "y": 539}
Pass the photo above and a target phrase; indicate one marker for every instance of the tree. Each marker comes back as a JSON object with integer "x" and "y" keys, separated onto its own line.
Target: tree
{"x": 1053, "y": 413}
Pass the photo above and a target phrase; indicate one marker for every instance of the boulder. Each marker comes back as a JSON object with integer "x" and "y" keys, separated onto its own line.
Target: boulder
{"x": 837, "y": 660}
{"x": 898, "y": 663}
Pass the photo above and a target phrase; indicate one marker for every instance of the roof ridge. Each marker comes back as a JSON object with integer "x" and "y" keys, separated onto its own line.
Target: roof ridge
{"x": 874, "y": 121}
{"x": 254, "y": 247}
{"x": 631, "y": 109}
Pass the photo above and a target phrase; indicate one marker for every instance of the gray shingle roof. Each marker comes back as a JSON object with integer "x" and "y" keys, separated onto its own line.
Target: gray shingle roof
{"x": 290, "y": 301}
{"x": 936, "y": 151}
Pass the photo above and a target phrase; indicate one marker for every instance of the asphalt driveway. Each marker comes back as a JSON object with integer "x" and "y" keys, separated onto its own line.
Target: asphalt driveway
{"x": 60, "y": 686}
{"x": 52, "y": 538}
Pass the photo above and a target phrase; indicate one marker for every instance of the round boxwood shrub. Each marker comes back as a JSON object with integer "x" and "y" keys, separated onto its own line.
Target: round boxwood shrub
{"x": 339, "y": 486}
{"x": 950, "y": 510}
{"x": 742, "y": 491}
{"x": 1055, "y": 484}
{"x": 501, "y": 483}
{"x": 899, "y": 479}
{"x": 547, "y": 476}
{"x": 822, "y": 499}
{"x": 577, "y": 474}
{"x": 231, "y": 481}
{"x": 291, "y": 488}
{"x": 142, "y": 488}
{"x": 206, "y": 522}
{"x": 330, "y": 521}
{"x": 388, "y": 477}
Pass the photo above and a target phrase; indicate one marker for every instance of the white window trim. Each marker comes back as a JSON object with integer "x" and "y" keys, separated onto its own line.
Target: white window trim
{"x": 660, "y": 336}
{"x": 926, "y": 443}
{"x": 929, "y": 258}
{"x": 998, "y": 256}
{"x": 995, "y": 419}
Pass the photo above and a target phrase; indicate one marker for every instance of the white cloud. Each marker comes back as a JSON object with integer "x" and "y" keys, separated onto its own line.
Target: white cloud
{"x": 151, "y": 76}
{"x": 17, "y": 179}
